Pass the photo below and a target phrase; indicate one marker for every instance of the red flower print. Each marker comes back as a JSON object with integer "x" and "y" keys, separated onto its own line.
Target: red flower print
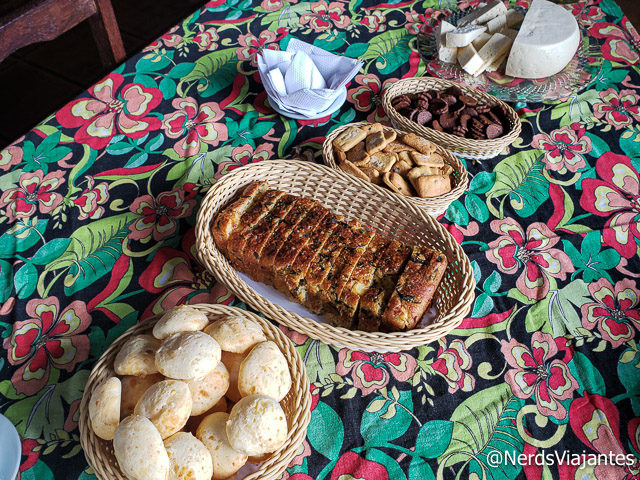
{"x": 10, "y": 156}
{"x": 367, "y": 96}
{"x": 618, "y": 108}
{"x": 374, "y": 21}
{"x": 206, "y": 38}
{"x": 451, "y": 364}
{"x": 275, "y": 5}
{"x": 534, "y": 372}
{"x": 415, "y": 20}
{"x": 617, "y": 194}
{"x": 195, "y": 124}
{"x": 48, "y": 336}
{"x": 251, "y": 46}
{"x": 108, "y": 113}
{"x": 617, "y": 41}
{"x": 533, "y": 251}
{"x": 244, "y": 155}
{"x": 35, "y": 192}
{"x": 325, "y": 16}
{"x": 372, "y": 371}
{"x": 564, "y": 148}
{"x": 614, "y": 312}
{"x": 352, "y": 466}
{"x": 159, "y": 216}
{"x": 90, "y": 201}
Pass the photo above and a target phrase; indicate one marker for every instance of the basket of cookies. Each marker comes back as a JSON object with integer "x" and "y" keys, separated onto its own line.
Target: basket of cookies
{"x": 334, "y": 257}
{"x": 203, "y": 392}
{"x": 466, "y": 121}
{"x": 420, "y": 171}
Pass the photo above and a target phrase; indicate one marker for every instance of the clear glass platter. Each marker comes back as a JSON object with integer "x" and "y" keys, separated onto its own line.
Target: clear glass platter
{"x": 581, "y": 70}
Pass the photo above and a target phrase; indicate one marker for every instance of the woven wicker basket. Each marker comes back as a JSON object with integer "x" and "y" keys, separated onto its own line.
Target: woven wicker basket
{"x": 389, "y": 214}
{"x": 296, "y": 405}
{"x": 433, "y": 206}
{"x": 464, "y": 147}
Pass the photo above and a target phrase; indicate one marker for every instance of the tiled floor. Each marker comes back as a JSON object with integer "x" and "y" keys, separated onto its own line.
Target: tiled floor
{"x": 40, "y": 78}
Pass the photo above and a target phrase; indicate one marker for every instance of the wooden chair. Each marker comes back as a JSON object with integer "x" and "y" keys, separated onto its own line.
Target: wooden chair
{"x": 32, "y": 21}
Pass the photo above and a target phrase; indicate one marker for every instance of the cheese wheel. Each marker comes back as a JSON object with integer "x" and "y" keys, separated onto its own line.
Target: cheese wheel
{"x": 187, "y": 355}
{"x": 167, "y": 404}
{"x": 265, "y": 371}
{"x": 139, "y": 449}
{"x": 179, "y": 319}
{"x": 212, "y": 432}
{"x": 132, "y": 389}
{"x": 137, "y": 356}
{"x": 236, "y": 334}
{"x": 208, "y": 390}
{"x": 257, "y": 425}
{"x": 104, "y": 408}
{"x": 190, "y": 459}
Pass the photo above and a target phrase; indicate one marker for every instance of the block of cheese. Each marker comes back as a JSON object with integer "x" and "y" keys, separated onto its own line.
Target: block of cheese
{"x": 514, "y": 18}
{"x": 445, "y": 54}
{"x": 510, "y": 32}
{"x": 495, "y": 65}
{"x": 547, "y": 40}
{"x": 482, "y": 39}
{"x": 469, "y": 60}
{"x": 498, "y": 46}
{"x": 497, "y": 24}
{"x": 461, "y": 37}
{"x": 483, "y": 14}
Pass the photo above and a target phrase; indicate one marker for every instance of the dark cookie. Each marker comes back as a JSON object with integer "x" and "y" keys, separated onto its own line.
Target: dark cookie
{"x": 482, "y": 108}
{"x": 436, "y": 126}
{"x": 402, "y": 104}
{"x": 468, "y": 101}
{"x": 450, "y": 99}
{"x": 454, "y": 90}
{"x": 424, "y": 117}
{"x": 494, "y": 130}
{"x": 472, "y": 112}
{"x": 448, "y": 121}
{"x": 438, "y": 106}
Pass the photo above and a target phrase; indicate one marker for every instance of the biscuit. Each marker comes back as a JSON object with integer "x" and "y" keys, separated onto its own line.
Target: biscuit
{"x": 208, "y": 390}
{"x": 212, "y": 432}
{"x": 265, "y": 372}
{"x": 349, "y": 167}
{"x": 372, "y": 174}
{"x": 179, "y": 319}
{"x": 236, "y": 334}
{"x": 358, "y": 154}
{"x": 397, "y": 184}
{"x": 402, "y": 167}
{"x": 132, "y": 389}
{"x": 139, "y": 450}
{"x": 389, "y": 135}
{"x": 432, "y": 186}
{"x": 423, "y": 171}
{"x": 187, "y": 355}
{"x": 395, "y": 147}
{"x": 372, "y": 127}
{"x": 340, "y": 155}
{"x": 375, "y": 142}
{"x": 190, "y": 459}
{"x": 405, "y": 156}
{"x": 167, "y": 404}
{"x": 104, "y": 408}
{"x": 233, "y": 361}
{"x": 137, "y": 356}
{"x": 257, "y": 425}
{"x": 349, "y": 138}
{"x": 383, "y": 162}
{"x": 421, "y": 144}
{"x": 427, "y": 160}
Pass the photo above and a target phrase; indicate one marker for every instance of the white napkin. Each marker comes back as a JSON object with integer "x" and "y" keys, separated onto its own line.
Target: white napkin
{"x": 305, "y": 79}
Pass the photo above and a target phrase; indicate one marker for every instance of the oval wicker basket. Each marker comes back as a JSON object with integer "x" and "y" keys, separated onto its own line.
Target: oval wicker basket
{"x": 296, "y": 405}
{"x": 388, "y": 214}
{"x": 464, "y": 147}
{"x": 433, "y": 206}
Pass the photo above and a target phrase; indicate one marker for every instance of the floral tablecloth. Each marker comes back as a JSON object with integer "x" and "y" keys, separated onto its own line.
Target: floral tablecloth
{"x": 97, "y": 211}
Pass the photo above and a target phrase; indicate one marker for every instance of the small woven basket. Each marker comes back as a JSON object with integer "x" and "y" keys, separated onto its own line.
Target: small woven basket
{"x": 387, "y": 213}
{"x": 296, "y": 405}
{"x": 433, "y": 206}
{"x": 464, "y": 147}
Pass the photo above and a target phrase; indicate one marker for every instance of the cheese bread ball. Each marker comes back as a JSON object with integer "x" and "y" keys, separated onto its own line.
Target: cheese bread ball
{"x": 137, "y": 356}
{"x": 139, "y": 449}
{"x": 213, "y": 433}
{"x": 179, "y": 319}
{"x": 187, "y": 355}
{"x": 104, "y": 408}
{"x": 264, "y": 372}
{"x": 236, "y": 334}
{"x": 190, "y": 459}
{"x": 208, "y": 390}
{"x": 167, "y": 404}
{"x": 257, "y": 425}
{"x": 195, "y": 421}
{"x": 132, "y": 389}
{"x": 233, "y": 361}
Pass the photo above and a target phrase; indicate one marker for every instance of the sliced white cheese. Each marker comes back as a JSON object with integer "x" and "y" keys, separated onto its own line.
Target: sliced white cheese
{"x": 547, "y": 40}
{"x": 497, "y": 24}
{"x": 483, "y": 14}
{"x": 469, "y": 59}
{"x": 461, "y": 37}
{"x": 479, "y": 42}
{"x": 514, "y": 18}
{"x": 442, "y": 28}
{"x": 495, "y": 65}
{"x": 498, "y": 46}
{"x": 445, "y": 54}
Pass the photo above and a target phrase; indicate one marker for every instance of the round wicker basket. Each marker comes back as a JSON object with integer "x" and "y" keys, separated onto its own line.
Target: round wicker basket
{"x": 433, "y": 206}
{"x": 390, "y": 215}
{"x": 464, "y": 147}
{"x": 296, "y": 405}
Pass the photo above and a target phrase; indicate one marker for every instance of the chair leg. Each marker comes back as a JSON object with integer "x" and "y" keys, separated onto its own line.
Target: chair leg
{"x": 107, "y": 34}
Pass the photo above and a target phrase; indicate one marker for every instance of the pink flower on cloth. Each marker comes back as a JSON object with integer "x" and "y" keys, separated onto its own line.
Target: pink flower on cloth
{"x": 195, "y": 125}
{"x": 251, "y": 46}
{"x": 616, "y": 194}
{"x": 619, "y": 109}
{"x": 48, "y": 337}
{"x": 564, "y": 148}
{"x": 372, "y": 371}
{"x": 614, "y": 312}
{"x": 451, "y": 364}
{"x": 109, "y": 112}
{"x": 244, "y": 155}
{"x": 325, "y": 16}
{"x": 10, "y": 156}
{"x": 35, "y": 191}
{"x": 532, "y": 250}
{"x": 90, "y": 201}
{"x": 534, "y": 372}
{"x": 366, "y": 96}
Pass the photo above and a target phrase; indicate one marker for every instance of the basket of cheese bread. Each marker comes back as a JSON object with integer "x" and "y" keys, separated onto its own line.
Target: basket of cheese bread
{"x": 466, "y": 121}
{"x": 333, "y": 256}
{"x": 203, "y": 392}
{"x": 420, "y": 171}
